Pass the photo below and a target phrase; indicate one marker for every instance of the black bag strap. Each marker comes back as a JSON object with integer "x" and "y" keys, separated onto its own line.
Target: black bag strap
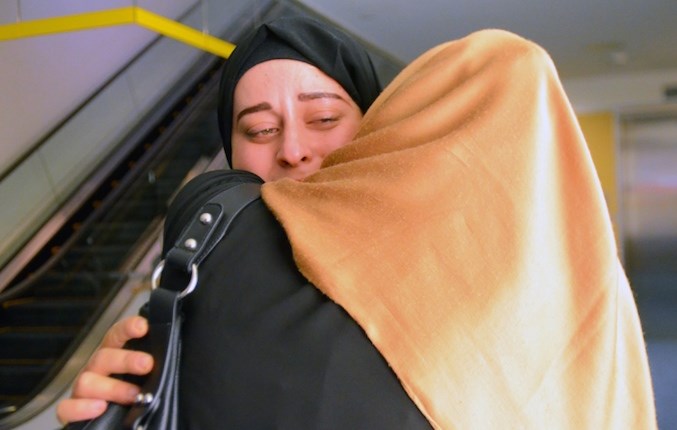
{"x": 210, "y": 224}
{"x": 205, "y": 230}
{"x": 163, "y": 343}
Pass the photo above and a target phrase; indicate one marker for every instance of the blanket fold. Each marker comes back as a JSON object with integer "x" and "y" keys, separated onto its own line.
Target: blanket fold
{"x": 465, "y": 230}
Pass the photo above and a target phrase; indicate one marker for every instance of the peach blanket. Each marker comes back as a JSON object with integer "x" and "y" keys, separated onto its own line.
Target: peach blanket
{"x": 465, "y": 230}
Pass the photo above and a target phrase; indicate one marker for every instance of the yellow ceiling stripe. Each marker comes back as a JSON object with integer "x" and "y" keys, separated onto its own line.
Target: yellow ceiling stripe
{"x": 182, "y": 33}
{"x": 115, "y": 17}
{"x": 60, "y": 24}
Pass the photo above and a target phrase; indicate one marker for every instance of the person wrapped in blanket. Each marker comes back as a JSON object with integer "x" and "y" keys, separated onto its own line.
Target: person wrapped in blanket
{"x": 436, "y": 254}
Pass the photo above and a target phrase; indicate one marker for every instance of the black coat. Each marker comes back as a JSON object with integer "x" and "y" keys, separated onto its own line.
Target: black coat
{"x": 263, "y": 348}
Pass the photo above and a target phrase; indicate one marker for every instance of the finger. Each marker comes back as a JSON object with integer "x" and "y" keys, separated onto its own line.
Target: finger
{"x": 124, "y": 330}
{"x": 71, "y": 410}
{"x": 91, "y": 385}
{"x": 107, "y": 361}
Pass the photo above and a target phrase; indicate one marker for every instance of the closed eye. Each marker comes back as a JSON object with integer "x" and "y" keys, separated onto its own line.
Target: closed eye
{"x": 254, "y": 133}
{"x": 325, "y": 122}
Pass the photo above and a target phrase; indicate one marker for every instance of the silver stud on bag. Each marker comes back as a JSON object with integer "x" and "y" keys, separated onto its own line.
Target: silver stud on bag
{"x": 190, "y": 244}
{"x": 143, "y": 398}
{"x": 206, "y": 218}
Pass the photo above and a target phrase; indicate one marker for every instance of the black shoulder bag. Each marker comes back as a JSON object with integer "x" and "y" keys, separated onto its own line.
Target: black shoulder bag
{"x": 175, "y": 277}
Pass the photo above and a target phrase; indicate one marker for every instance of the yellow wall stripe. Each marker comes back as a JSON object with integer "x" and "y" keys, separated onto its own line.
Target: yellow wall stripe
{"x": 600, "y": 133}
{"x": 115, "y": 17}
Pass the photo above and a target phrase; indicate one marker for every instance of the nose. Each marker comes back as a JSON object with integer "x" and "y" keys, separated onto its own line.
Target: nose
{"x": 295, "y": 148}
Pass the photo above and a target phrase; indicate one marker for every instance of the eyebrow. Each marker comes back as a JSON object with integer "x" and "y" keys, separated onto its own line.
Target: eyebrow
{"x": 302, "y": 97}
{"x": 252, "y": 109}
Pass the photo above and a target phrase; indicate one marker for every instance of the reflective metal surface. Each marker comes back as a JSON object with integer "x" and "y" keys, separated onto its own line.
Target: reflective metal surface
{"x": 648, "y": 190}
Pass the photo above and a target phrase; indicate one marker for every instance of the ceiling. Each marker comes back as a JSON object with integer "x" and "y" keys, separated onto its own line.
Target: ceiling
{"x": 584, "y": 37}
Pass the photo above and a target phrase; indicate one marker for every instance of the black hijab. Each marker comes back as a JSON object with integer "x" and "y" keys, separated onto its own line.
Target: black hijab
{"x": 303, "y": 39}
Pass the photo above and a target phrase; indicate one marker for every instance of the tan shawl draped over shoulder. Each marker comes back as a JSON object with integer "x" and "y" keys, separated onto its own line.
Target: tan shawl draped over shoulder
{"x": 465, "y": 230}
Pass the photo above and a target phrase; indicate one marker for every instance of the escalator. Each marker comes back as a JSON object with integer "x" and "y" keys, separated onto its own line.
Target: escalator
{"x": 55, "y": 301}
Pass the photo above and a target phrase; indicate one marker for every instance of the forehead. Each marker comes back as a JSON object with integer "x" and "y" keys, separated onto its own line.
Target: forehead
{"x": 281, "y": 76}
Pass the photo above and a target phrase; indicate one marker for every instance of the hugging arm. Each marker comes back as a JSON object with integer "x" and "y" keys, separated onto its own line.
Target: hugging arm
{"x": 94, "y": 386}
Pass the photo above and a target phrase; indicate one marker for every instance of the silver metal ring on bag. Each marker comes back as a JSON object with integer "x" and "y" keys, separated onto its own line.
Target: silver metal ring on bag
{"x": 157, "y": 273}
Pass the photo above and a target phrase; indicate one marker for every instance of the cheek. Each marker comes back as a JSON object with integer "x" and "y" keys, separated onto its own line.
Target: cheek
{"x": 341, "y": 137}
{"x": 252, "y": 158}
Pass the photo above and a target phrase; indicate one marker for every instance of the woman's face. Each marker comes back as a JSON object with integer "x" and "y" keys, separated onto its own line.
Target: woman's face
{"x": 287, "y": 117}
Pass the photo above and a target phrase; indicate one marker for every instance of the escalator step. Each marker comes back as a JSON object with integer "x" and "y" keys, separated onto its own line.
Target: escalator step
{"x": 141, "y": 210}
{"x": 168, "y": 187}
{"x": 21, "y": 380}
{"x": 36, "y": 344}
{"x": 96, "y": 258}
{"x": 73, "y": 284}
{"x": 118, "y": 232}
{"x": 36, "y": 312}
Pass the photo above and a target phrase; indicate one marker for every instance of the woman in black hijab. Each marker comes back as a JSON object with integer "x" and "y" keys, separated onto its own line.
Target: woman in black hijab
{"x": 303, "y": 360}
{"x": 302, "y": 39}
